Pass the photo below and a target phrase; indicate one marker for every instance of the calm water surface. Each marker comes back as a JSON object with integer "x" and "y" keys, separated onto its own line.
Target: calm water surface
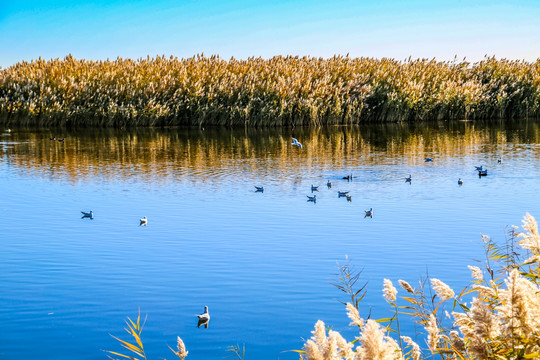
{"x": 262, "y": 262}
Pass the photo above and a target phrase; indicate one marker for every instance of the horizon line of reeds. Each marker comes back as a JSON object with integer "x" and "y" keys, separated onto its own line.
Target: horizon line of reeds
{"x": 280, "y": 91}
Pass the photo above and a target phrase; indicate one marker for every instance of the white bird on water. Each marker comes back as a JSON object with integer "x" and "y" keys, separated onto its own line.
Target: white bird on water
{"x": 460, "y": 182}
{"x": 205, "y": 316}
{"x": 296, "y": 143}
{"x": 369, "y": 212}
{"x": 144, "y": 221}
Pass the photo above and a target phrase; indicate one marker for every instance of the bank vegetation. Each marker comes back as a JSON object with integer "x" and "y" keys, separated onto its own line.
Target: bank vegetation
{"x": 280, "y": 91}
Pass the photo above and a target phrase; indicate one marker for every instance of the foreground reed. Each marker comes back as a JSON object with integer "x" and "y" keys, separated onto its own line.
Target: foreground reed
{"x": 280, "y": 91}
{"x": 501, "y": 321}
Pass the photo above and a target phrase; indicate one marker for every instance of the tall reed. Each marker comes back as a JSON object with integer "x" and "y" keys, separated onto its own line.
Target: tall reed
{"x": 501, "y": 319}
{"x": 280, "y": 91}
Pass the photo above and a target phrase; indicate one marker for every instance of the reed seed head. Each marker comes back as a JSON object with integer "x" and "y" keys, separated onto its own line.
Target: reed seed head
{"x": 182, "y": 353}
{"x": 389, "y": 291}
{"x": 444, "y": 291}
{"x": 406, "y": 286}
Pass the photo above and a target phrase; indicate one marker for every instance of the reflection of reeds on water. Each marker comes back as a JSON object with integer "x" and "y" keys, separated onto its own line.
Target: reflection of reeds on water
{"x": 202, "y": 155}
{"x": 281, "y": 91}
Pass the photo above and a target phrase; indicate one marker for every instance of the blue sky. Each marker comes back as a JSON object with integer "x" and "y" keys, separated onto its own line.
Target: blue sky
{"x": 385, "y": 28}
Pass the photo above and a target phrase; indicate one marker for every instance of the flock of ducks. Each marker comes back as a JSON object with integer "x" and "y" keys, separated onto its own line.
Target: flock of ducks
{"x": 368, "y": 213}
{"x": 311, "y": 198}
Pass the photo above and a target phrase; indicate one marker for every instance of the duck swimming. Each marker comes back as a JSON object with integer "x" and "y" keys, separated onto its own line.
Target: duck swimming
{"x": 205, "y": 316}
{"x": 89, "y": 214}
{"x": 369, "y": 212}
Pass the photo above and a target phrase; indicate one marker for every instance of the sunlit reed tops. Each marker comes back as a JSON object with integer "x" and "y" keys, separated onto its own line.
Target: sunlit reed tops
{"x": 280, "y": 91}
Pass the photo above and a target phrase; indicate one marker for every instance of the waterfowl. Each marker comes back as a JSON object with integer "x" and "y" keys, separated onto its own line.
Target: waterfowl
{"x": 428, "y": 159}
{"x": 409, "y": 178}
{"x": 144, "y": 221}
{"x": 205, "y": 316}
{"x": 259, "y": 189}
{"x": 482, "y": 172}
{"x": 348, "y": 177}
{"x": 61, "y": 140}
{"x": 329, "y": 184}
{"x": 499, "y": 161}
{"x": 312, "y": 198}
{"x": 89, "y": 214}
{"x": 296, "y": 143}
{"x": 349, "y": 198}
{"x": 460, "y": 182}
{"x": 52, "y": 138}
{"x": 342, "y": 193}
{"x": 314, "y": 188}
{"x": 479, "y": 168}
{"x": 369, "y": 212}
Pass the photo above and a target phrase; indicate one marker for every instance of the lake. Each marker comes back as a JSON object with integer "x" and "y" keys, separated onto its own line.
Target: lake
{"x": 263, "y": 262}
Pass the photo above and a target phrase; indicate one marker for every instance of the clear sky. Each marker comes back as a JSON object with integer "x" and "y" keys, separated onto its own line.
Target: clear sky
{"x": 385, "y": 28}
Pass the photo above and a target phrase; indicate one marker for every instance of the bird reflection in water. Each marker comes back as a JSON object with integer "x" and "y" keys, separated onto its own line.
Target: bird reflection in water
{"x": 203, "y": 322}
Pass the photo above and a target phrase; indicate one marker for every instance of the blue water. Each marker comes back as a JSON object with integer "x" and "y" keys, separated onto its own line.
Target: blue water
{"x": 262, "y": 262}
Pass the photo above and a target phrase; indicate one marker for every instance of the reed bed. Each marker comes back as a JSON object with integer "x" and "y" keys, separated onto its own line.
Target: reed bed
{"x": 280, "y": 91}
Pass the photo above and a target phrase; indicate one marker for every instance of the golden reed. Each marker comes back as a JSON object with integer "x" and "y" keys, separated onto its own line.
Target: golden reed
{"x": 280, "y": 91}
